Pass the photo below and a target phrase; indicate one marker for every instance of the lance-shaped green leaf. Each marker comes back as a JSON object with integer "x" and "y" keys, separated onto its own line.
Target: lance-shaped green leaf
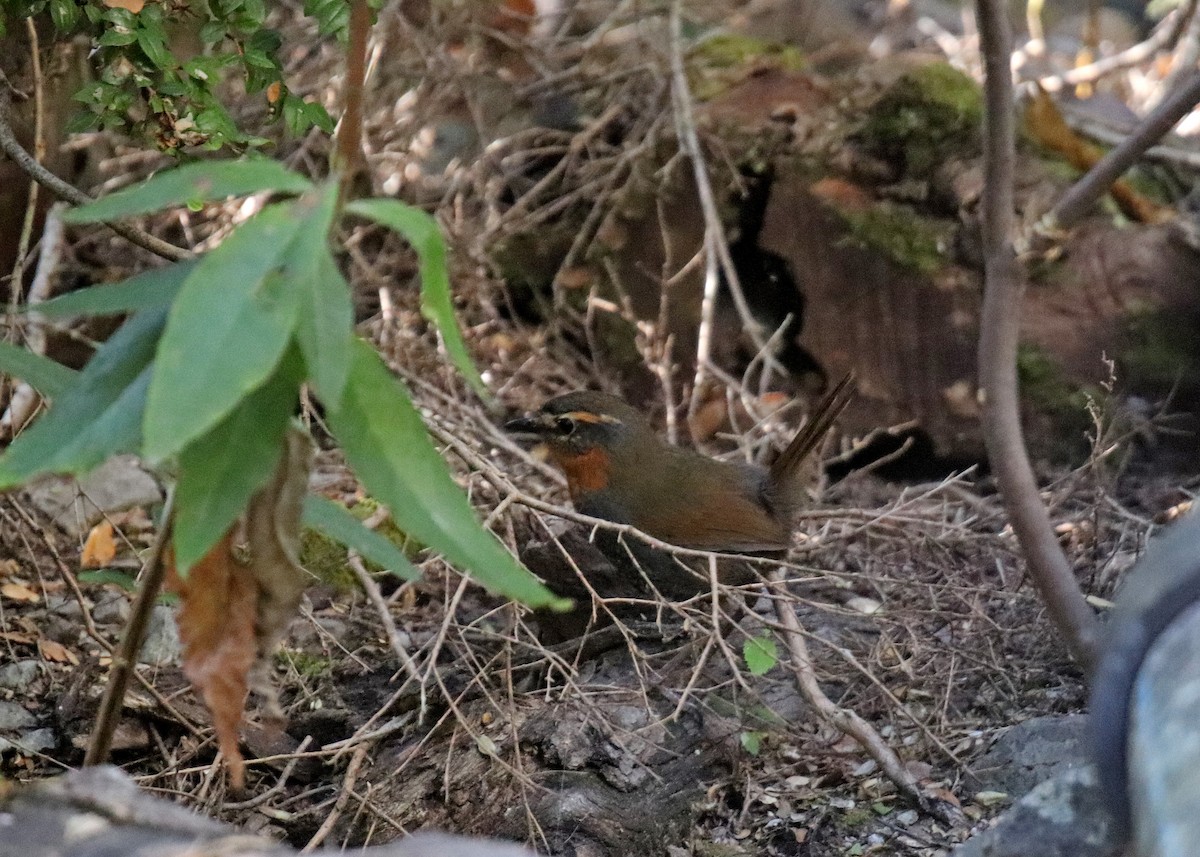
{"x": 192, "y": 185}
{"x": 336, "y": 521}
{"x": 387, "y": 445}
{"x": 325, "y": 319}
{"x": 98, "y": 416}
{"x": 226, "y": 332}
{"x": 422, "y": 232}
{"x": 148, "y": 290}
{"x": 34, "y": 369}
{"x": 221, "y": 469}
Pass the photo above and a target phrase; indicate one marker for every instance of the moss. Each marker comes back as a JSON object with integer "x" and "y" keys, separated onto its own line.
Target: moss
{"x": 905, "y": 237}
{"x": 857, "y": 817}
{"x": 326, "y": 558}
{"x": 1046, "y": 391}
{"x": 306, "y": 664}
{"x": 718, "y": 62}
{"x": 931, "y": 113}
{"x": 1161, "y": 348}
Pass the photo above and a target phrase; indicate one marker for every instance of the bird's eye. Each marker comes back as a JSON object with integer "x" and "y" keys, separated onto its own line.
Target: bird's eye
{"x": 564, "y": 426}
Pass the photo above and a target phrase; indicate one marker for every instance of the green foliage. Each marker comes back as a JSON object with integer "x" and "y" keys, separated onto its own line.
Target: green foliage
{"x": 208, "y": 370}
{"x": 41, "y": 372}
{"x": 159, "y": 69}
{"x": 386, "y": 443}
{"x": 930, "y": 114}
{"x": 337, "y": 522}
{"x": 907, "y": 238}
{"x": 751, "y": 741}
{"x": 760, "y": 654}
{"x": 421, "y": 231}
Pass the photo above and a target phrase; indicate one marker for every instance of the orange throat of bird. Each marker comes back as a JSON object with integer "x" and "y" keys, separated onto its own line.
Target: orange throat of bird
{"x": 586, "y": 472}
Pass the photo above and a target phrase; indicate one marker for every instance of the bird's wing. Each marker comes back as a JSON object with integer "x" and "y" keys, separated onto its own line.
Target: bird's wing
{"x": 736, "y": 525}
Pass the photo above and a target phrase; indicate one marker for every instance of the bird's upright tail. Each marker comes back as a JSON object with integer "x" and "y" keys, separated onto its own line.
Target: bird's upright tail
{"x": 823, "y": 415}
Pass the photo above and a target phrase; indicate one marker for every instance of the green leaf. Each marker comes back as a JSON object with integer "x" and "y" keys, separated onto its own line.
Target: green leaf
{"x": 98, "y": 416}
{"x": 751, "y": 742}
{"x": 325, "y": 319}
{"x": 153, "y": 42}
{"x": 227, "y": 330}
{"x": 422, "y": 232}
{"x": 48, "y": 377}
{"x": 123, "y": 579}
{"x": 116, "y": 38}
{"x": 221, "y": 470}
{"x": 336, "y": 521}
{"x": 387, "y": 445}
{"x": 760, "y": 654}
{"x": 64, "y": 14}
{"x": 151, "y": 289}
{"x": 191, "y": 184}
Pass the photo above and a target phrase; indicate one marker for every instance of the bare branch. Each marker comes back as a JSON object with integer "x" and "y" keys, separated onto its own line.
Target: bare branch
{"x": 29, "y": 164}
{"x": 1083, "y": 195}
{"x": 1000, "y": 330}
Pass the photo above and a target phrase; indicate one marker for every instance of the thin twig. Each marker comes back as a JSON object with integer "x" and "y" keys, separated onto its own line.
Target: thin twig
{"x": 716, "y": 247}
{"x": 339, "y": 807}
{"x": 126, "y": 656}
{"x": 1000, "y": 329}
{"x": 349, "y": 157}
{"x": 10, "y": 147}
{"x": 1164, "y": 37}
{"x": 385, "y": 616}
{"x": 843, "y": 719}
{"x": 39, "y": 155}
{"x": 1076, "y": 202}
{"x": 24, "y": 397}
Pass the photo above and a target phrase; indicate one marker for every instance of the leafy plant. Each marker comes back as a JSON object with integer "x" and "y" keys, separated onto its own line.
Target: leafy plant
{"x": 760, "y": 654}
{"x": 206, "y": 373}
{"x": 160, "y": 65}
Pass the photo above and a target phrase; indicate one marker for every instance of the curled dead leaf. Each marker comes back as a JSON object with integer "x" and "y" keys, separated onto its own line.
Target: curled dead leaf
{"x": 133, "y": 6}
{"x": 14, "y": 591}
{"x": 100, "y": 546}
{"x": 239, "y": 599}
{"x": 52, "y": 650}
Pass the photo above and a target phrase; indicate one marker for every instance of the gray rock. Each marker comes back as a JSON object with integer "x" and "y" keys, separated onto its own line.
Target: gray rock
{"x": 1063, "y": 817}
{"x": 162, "y": 646}
{"x": 75, "y": 505}
{"x": 14, "y": 717}
{"x": 37, "y": 740}
{"x": 18, "y": 675}
{"x": 1031, "y": 752}
{"x": 112, "y": 609}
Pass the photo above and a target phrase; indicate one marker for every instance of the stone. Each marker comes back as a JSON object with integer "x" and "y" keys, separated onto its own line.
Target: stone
{"x": 18, "y": 674}
{"x": 162, "y": 646}
{"x": 76, "y": 505}
{"x": 1031, "y": 752}
{"x": 14, "y": 717}
{"x": 1065, "y": 816}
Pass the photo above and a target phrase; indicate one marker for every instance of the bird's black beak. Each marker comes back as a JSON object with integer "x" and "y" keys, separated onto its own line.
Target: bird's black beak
{"x": 527, "y": 428}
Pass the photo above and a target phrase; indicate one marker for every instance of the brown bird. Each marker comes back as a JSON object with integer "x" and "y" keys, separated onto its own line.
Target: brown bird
{"x": 618, "y": 469}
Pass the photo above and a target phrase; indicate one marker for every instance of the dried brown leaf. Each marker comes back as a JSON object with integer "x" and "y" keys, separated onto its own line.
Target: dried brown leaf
{"x": 216, "y": 624}
{"x": 14, "y": 591}
{"x": 51, "y": 650}
{"x": 100, "y": 547}
{"x": 133, "y": 6}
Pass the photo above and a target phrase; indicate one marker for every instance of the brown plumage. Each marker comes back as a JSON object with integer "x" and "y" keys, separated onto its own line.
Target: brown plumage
{"x": 619, "y": 469}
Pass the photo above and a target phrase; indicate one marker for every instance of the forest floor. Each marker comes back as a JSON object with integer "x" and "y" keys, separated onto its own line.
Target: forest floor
{"x": 675, "y": 729}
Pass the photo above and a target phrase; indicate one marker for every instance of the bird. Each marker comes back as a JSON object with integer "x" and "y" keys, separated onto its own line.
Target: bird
{"x": 620, "y": 470}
